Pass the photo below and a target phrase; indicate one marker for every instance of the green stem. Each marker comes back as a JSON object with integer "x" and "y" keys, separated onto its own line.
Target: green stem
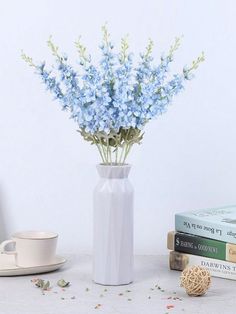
{"x": 121, "y": 154}
{"x": 107, "y": 150}
{"x": 110, "y": 154}
{"x": 124, "y": 146}
{"x": 116, "y": 159}
{"x": 104, "y": 152}
{"x": 127, "y": 152}
{"x": 100, "y": 152}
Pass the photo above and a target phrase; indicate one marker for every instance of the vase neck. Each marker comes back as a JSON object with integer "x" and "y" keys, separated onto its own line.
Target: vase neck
{"x": 113, "y": 172}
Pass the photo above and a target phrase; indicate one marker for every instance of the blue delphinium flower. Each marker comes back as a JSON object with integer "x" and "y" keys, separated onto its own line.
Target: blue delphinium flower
{"x": 51, "y": 82}
{"x": 113, "y": 101}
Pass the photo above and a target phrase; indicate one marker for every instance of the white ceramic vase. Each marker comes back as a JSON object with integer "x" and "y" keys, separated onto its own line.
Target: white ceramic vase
{"x": 113, "y": 226}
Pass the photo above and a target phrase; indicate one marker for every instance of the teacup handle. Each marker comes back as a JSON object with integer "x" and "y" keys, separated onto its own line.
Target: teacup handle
{"x": 4, "y": 244}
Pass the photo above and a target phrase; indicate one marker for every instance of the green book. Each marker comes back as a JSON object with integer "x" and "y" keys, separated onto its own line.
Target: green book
{"x": 196, "y": 245}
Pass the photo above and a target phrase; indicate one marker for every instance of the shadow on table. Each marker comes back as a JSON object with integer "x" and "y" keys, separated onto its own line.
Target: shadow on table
{"x": 149, "y": 267}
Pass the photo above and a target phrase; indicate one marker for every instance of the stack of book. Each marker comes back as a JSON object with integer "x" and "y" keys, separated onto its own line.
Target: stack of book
{"x": 205, "y": 238}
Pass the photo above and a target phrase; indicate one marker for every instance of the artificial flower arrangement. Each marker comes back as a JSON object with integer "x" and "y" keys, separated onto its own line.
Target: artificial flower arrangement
{"x": 113, "y": 101}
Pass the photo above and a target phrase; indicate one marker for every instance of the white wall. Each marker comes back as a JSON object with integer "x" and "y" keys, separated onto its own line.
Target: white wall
{"x": 187, "y": 159}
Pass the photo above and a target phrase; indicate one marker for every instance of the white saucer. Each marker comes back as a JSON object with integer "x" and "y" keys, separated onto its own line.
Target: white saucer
{"x": 8, "y": 267}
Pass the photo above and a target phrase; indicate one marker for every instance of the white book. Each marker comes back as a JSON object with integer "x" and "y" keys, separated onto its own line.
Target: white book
{"x": 217, "y": 268}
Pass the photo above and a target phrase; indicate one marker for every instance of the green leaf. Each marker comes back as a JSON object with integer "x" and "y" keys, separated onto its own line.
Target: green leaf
{"x": 62, "y": 283}
{"x": 40, "y": 283}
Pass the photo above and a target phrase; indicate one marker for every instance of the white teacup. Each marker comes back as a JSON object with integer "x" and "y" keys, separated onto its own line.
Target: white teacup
{"x": 32, "y": 248}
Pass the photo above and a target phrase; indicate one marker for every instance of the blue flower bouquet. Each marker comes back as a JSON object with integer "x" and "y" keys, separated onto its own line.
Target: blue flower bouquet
{"x": 111, "y": 102}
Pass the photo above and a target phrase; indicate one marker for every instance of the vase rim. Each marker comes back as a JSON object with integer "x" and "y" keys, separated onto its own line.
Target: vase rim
{"x": 114, "y": 165}
{"x": 113, "y": 171}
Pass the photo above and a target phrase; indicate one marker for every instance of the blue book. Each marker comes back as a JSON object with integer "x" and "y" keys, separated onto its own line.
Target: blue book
{"x": 215, "y": 223}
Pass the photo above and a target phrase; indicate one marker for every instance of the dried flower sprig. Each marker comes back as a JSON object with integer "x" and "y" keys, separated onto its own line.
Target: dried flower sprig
{"x": 42, "y": 284}
{"x": 62, "y": 283}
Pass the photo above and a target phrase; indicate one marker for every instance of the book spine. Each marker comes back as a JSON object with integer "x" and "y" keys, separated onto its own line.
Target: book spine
{"x": 205, "y": 229}
{"x": 186, "y": 243}
{"x": 217, "y": 268}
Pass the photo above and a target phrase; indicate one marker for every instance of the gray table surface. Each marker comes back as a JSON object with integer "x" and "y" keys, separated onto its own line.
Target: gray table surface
{"x": 18, "y": 295}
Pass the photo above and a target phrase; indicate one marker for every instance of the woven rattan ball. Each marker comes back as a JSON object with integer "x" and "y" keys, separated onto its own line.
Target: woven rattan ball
{"x": 196, "y": 280}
